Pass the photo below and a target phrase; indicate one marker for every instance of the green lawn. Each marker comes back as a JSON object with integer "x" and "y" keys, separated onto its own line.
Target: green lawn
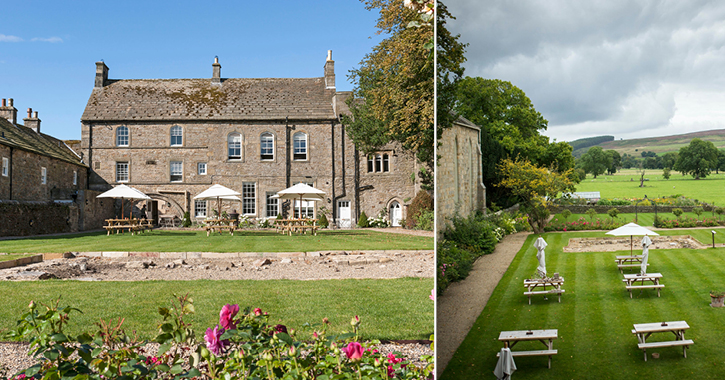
{"x": 197, "y": 241}
{"x": 389, "y": 309}
{"x": 710, "y": 189}
{"x": 596, "y": 315}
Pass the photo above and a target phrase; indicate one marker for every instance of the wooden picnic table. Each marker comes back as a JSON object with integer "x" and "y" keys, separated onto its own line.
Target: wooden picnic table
{"x": 628, "y": 261}
{"x": 288, "y": 226}
{"x": 554, "y": 283}
{"x": 631, "y": 279}
{"x": 122, "y": 225}
{"x": 644, "y": 330}
{"x": 510, "y": 338}
{"x": 219, "y": 225}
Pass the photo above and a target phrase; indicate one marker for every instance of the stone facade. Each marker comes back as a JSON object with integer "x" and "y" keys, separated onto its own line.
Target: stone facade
{"x": 255, "y": 136}
{"x": 459, "y": 186}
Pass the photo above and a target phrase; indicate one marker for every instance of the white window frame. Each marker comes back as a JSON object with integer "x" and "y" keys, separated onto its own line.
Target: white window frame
{"x": 231, "y": 139}
{"x": 179, "y": 166}
{"x": 300, "y": 146}
{"x": 201, "y": 168}
{"x": 178, "y": 132}
{"x": 378, "y": 163}
{"x": 200, "y": 209}
{"x": 75, "y": 177}
{"x": 271, "y": 203}
{"x": 120, "y": 138}
{"x": 6, "y": 166}
{"x": 43, "y": 175}
{"x": 249, "y": 198}
{"x": 262, "y": 147}
{"x": 120, "y": 165}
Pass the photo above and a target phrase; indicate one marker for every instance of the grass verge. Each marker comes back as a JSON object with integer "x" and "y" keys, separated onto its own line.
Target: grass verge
{"x": 389, "y": 309}
{"x": 197, "y": 241}
{"x": 595, "y": 316}
{"x": 11, "y": 257}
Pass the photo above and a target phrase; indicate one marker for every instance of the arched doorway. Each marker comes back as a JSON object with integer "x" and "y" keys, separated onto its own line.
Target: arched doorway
{"x": 396, "y": 214}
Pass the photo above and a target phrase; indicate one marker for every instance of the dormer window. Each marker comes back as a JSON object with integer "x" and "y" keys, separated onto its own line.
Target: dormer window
{"x": 122, "y": 136}
{"x": 234, "y": 146}
{"x": 176, "y": 136}
{"x": 300, "y": 146}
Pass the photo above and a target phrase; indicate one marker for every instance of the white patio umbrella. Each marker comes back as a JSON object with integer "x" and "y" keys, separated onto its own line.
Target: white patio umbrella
{"x": 632, "y": 229}
{"x": 302, "y": 192}
{"x": 218, "y": 192}
{"x": 124, "y": 192}
{"x": 645, "y": 254}
{"x": 540, "y": 245}
{"x": 505, "y": 365}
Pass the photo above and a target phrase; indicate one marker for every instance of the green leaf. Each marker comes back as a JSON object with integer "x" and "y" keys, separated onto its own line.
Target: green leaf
{"x": 167, "y": 327}
{"x": 192, "y": 373}
{"x": 175, "y": 370}
{"x": 51, "y": 354}
{"x": 285, "y": 338}
{"x": 59, "y": 337}
{"x": 163, "y": 348}
{"x": 30, "y": 372}
{"x": 228, "y": 334}
{"x": 84, "y": 338}
{"x": 162, "y": 368}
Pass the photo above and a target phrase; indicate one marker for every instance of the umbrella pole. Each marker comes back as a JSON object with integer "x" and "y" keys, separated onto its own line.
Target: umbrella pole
{"x": 630, "y": 245}
{"x": 121, "y": 207}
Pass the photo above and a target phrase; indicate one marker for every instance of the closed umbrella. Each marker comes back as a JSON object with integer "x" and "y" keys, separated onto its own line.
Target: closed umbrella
{"x": 301, "y": 191}
{"x": 123, "y": 192}
{"x": 505, "y": 365}
{"x": 632, "y": 229}
{"x": 645, "y": 254}
{"x": 540, "y": 245}
{"x": 218, "y": 193}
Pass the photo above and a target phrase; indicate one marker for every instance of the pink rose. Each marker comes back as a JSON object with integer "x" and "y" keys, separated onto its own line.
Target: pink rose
{"x": 257, "y": 311}
{"x": 354, "y": 351}
{"x": 226, "y": 316}
{"x": 213, "y": 343}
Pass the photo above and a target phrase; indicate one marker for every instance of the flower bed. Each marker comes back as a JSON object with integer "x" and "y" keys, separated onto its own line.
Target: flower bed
{"x": 685, "y": 222}
{"x": 582, "y": 224}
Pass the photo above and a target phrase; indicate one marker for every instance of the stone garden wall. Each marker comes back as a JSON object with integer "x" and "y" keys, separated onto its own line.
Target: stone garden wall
{"x": 582, "y": 209}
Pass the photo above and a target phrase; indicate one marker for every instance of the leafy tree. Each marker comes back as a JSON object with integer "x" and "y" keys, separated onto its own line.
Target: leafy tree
{"x": 646, "y": 154}
{"x": 450, "y": 56}
{"x": 720, "y": 161}
{"x": 678, "y": 212}
{"x": 595, "y": 161}
{"x": 629, "y": 161}
{"x": 697, "y": 158}
{"x": 534, "y": 186}
{"x": 698, "y": 211}
{"x": 669, "y": 159}
{"x": 666, "y": 173}
{"x": 592, "y": 213}
{"x": 566, "y": 213}
{"x": 616, "y": 161}
{"x": 613, "y": 212}
{"x": 393, "y": 97}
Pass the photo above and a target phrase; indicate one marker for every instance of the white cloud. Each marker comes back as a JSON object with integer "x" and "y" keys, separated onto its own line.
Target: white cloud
{"x": 5, "y": 38}
{"x": 51, "y": 39}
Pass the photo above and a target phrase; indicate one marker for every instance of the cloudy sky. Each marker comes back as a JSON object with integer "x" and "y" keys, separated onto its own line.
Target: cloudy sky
{"x": 632, "y": 68}
{"x": 48, "y": 48}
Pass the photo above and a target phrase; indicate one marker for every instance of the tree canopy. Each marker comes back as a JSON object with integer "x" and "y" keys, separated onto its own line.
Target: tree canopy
{"x": 595, "y": 161}
{"x": 697, "y": 158}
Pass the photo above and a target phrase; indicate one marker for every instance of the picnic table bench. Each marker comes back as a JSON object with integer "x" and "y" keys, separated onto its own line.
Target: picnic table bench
{"x": 532, "y": 284}
{"x": 644, "y": 330}
{"x": 130, "y": 225}
{"x": 219, "y": 225}
{"x": 631, "y": 279}
{"x": 289, "y": 226}
{"x": 510, "y": 338}
{"x": 628, "y": 261}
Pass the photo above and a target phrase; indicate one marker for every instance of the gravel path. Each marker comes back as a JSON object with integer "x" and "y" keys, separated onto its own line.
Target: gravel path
{"x": 462, "y": 302}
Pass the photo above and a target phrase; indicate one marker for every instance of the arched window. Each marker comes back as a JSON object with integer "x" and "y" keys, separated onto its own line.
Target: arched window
{"x": 234, "y": 145}
{"x": 378, "y": 163}
{"x": 266, "y": 146}
{"x": 300, "y": 146}
{"x": 176, "y": 136}
{"x": 122, "y": 136}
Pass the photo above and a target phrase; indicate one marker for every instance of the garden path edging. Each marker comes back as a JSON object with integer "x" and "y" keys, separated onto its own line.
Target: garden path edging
{"x": 21, "y": 261}
{"x": 246, "y": 255}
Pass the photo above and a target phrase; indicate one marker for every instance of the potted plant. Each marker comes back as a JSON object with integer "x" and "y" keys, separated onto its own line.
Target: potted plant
{"x": 717, "y": 298}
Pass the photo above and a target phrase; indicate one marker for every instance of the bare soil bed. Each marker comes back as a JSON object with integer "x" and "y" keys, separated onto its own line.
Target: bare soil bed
{"x": 611, "y": 244}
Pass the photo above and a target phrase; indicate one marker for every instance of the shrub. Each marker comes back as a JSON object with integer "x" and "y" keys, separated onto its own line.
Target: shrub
{"x": 422, "y": 201}
{"x": 719, "y": 211}
{"x": 454, "y": 264}
{"x": 613, "y": 212}
{"x": 592, "y": 213}
{"x": 698, "y": 211}
{"x": 566, "y": 214}
{"x": 678, "y": 212}
{"x": 322, "y": 221}
{"x": 424, "y": 220}
{"x": 186, "y": 221}
{"x": 685, "y": 222}
{"x": 582, "y": 225}
{"x": 475, "y": 234}
{"x": 363, "y": 221}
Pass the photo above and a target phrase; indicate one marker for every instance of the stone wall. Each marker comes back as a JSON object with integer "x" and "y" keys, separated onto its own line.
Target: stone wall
{"x": 582, "y": 209}
{"x": 25, "y": 181}
{"x": 458, "y": 187}
{"x": 37, "y": 218}
{"x": 4, "y": 180}
{"x": 95, "y": 210}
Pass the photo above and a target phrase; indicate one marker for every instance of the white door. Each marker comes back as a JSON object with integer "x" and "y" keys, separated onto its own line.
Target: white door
{"x": 344, "y": 219}
{"x": 396, "y": 214}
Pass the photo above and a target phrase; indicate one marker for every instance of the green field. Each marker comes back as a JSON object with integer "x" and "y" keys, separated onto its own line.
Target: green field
{"x": 197, "y": 241}
{"x": 389, "y": 309}
{"x": 625, "y": 184}
{"x": 595, "y": 316}
{"x": 659, "y": 144}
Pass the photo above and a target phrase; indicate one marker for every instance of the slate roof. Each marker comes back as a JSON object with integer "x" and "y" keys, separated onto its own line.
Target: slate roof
{"x": 199, "y": 99}
{"x": 18, "y": 136}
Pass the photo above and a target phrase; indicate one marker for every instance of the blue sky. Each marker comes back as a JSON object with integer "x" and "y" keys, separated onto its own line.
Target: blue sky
{"x": 48, "y": 49}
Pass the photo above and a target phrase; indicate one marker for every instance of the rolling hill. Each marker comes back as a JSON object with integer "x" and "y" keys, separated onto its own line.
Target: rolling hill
{"x": 659, "y": 145}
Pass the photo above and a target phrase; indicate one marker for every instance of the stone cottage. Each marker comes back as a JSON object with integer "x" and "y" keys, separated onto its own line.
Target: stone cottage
{"x": 173, "y": 138}
{"x": 42, "y": 180}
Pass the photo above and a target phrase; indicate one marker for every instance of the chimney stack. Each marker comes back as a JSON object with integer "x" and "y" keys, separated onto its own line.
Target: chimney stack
{"x": 8, "y": 111}
{"x": 101, "y": 74}
{"x": 32, "y": 121}
{"x": 329, "y": 72}
{"x": 217, "y": 72}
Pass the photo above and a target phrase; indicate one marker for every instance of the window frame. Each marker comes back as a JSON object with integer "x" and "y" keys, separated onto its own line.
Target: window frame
{"x": 179, "y": 136}
{"x": 199, "y": 165}
{"x": 305, "y": 139}
{"x": 6, "y": 167}
{"x": 198, "y": 206}
{"x": 128, "y": 171}
{"x": 180, "y": 172}
{"x": 231, "y": 157}
{"x": 75, "y": 177}
{"x": 43, "y": 175}
{"x": 249, "y": 201}
{"x": 271, "y": 202}
{"x": 126, "y": 136}
{"x": 262, "y": 142}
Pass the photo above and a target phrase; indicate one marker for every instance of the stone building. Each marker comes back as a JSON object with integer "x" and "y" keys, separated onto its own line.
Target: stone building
{"x": 459, "y": 186}
{"x": 42, "y": 181}
{"x": 173, "y": 138}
